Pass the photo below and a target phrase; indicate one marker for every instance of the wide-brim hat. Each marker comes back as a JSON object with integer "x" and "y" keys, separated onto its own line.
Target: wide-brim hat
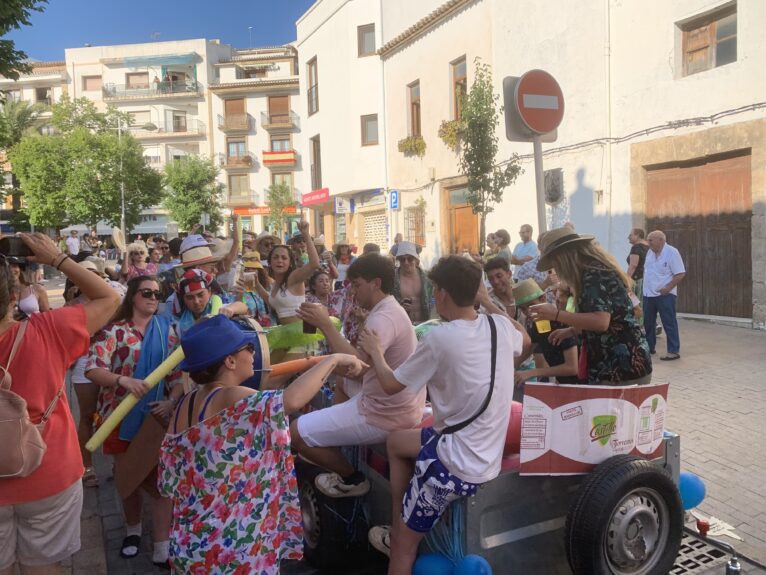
{"x": 193, "y": 241}
{"x": 94, "y": 264}
{"x": 265, "y": 235}
{"x": 319, "y": 240}
{"x": 197, "y": 257}
{"x": 335, "y": 246}
{"x": 526, "y": 291}
{"x": 555, "y": 240}
{"x": 210, "y": 341}
{"x": 252, "y": 260}
{"x": 407, "y": 249}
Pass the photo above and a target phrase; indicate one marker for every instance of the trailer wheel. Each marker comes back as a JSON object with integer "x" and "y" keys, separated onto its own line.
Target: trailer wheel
{"x": 627, "y": 520}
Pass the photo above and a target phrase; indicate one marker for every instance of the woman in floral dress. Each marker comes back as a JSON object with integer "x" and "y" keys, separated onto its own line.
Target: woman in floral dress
{"x": 226, "y": 459}
{"x": 121, "y": 356}
{"x": 614, "y": 349}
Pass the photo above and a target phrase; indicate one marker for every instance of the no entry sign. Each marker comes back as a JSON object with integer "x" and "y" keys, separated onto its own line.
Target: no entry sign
{"x": 539, "y": 101}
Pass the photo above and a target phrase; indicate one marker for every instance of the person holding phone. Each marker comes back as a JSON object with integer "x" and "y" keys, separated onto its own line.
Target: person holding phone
{"x": 614, "y": 349}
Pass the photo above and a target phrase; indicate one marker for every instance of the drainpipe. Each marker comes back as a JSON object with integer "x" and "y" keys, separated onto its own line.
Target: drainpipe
{"x": 608, "y": 75}
{"x": 392, "y": 222}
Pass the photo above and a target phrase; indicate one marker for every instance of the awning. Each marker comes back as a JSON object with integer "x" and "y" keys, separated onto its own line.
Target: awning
{"x": 102, "y": 229}
{"x": 162, "y": 60}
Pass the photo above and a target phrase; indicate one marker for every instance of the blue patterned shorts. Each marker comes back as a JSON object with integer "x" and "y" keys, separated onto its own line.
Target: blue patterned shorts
{"x": 432, "y": 488}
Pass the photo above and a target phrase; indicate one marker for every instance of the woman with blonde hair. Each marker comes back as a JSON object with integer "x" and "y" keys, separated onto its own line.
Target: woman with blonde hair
{"x": 614, "y": 351}
{"x": 134, "y": 263}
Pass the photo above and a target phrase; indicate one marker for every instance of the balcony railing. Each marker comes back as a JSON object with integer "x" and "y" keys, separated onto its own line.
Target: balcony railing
{"x": 143, "y": 91}
{"x": 286, "y": 159}
{"x": 235, "y": 122}
{"x": 242, "y": 197}
{"x": 153, "y": 161}
{"x": 177, "y": 128}
{"x": 282, "y": 120}
{"x": 238, "y": 162}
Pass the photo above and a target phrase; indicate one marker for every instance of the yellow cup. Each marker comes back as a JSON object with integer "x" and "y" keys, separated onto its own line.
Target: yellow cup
{"x": 543, "y": 326}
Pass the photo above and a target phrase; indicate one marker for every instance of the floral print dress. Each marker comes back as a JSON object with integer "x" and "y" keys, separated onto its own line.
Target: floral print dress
{"x": 234, "y": 491}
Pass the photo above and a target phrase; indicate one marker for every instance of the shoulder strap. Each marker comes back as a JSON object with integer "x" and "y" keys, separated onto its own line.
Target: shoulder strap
{"x": 461, "y": 425}
{"x": 202, "y": 411}
{"x": 192, "y": 397}
{"x": 5, "y": 383}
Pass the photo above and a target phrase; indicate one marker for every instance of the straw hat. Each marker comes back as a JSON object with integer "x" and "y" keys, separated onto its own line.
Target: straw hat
{"x": 252, "y": 260}
{"x": 319, "y": 240}
{"x": 526, "y": 291}
{"x": 198, "y": 256}
{"x": 556, "y": 239}
{"x": 262, "y": 236}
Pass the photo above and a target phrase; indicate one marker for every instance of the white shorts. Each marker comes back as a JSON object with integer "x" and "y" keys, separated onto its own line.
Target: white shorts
{"x": 41, "y": 532}
{"x": 339, "y": 425}
{"x": 78, "y": 370}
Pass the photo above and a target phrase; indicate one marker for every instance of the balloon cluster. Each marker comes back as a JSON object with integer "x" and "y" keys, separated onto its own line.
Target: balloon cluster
{"x": 433, "y": 564}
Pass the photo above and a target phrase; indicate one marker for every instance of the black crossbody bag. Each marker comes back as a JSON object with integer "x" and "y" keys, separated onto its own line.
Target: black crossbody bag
{"x": 467, "y": 422}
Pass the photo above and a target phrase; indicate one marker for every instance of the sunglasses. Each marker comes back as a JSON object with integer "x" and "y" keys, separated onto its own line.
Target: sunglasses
{"x": 250, "y": 347}
{"x": 406, "y": 259}
{"x": 147, "y": 293}
{"x": 138, "y": 253}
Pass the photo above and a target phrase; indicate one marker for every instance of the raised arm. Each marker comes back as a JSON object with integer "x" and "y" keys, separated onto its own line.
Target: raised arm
{"x": 103, "y": 300}
{"x": 303, "y": 389}
{"x": 303, "y": 273}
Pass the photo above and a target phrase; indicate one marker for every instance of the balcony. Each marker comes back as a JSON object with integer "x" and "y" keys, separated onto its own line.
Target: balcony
{"x": 235, "y": 122}
{"x": 242, "y": 198}
{"x": 279, "y": 121}
{"x": 240, "y": 162}
{"x": 113, "y": 92}
{"x": 286, "y": 159}
{"x": 179, "y": 128}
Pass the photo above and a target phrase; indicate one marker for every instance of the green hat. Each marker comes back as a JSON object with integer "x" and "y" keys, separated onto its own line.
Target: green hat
{"x": 526, "y": 291}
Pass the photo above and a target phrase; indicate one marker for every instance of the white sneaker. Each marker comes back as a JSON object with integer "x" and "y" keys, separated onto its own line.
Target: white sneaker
{"x": 380, "y": 538}
{"x": 332, "y": 485}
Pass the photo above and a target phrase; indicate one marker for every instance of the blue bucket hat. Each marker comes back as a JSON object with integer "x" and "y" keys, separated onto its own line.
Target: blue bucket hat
{"x": 210, "y": 341}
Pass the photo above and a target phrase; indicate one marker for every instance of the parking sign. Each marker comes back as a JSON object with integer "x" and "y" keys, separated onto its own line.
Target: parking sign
{"x": 394, "y": 199}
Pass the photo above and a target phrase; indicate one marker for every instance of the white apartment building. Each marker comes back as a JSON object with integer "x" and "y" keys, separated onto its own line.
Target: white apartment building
{"x": 343, "y": 138}
{"x": 256, "y": 127}
{"x": 664, "y": 128}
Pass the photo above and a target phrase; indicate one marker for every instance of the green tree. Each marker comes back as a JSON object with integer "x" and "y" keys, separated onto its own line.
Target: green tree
{"x": 278, "y": 198}
{"x": 479, "y": 144}
{"x": 191, "y": 190}
{"x": 13, "y": 15}
{"x": 16, "y": 119}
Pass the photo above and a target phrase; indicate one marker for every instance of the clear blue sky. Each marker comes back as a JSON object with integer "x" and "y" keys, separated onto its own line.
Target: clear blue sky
{"x": 73, "y": 23}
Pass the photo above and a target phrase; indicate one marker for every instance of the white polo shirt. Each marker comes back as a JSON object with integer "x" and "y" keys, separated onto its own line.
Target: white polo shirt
{"x": 660, "y": 269}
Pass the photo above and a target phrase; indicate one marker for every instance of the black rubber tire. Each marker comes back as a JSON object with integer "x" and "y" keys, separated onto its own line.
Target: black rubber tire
{"x": 335, "y": 532}
{"x": 618, "y": 488}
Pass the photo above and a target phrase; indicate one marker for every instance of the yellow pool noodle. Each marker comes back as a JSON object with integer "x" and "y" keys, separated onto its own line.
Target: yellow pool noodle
{"x": 111, "y": 422}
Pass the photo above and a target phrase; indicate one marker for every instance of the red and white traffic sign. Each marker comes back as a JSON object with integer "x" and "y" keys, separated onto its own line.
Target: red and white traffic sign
{"x": 539, "y": 101}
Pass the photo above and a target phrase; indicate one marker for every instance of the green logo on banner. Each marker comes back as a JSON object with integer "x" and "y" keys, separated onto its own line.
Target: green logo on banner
{"x": 603, "y": 428}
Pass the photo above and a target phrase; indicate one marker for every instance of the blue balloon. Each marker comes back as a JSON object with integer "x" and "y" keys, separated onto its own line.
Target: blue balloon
{"x": 472, "y": 565}
{"x": 692, "y": 489}
{"x": 432, "y": 564}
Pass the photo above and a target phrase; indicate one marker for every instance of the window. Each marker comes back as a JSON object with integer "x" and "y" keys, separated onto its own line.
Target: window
{"x": 12, "y": 95}
{"x": 91, "y": 83}
{"x": 313, "y": 86}
{"x": 414, "y": 100}
{"x": 139, "y": 118}
{"x": 236, "y": 148}
{"x": 459, "y": 87}
{"x": 370, "y": 130}
{"x": 279, "y": 109}
{"x": 366, "y": 39}
{"x": 280, "y": 143}
{"x": 44, "y": 96}
{"x": 254, "y": 73}
{"x": 179, "y": 121}
{"x": 316, "y": 164}
{"x": 239, "y": 185}
{"x": 137, "y": 80}
{"x": 710, "y": 42}
{"x": 415, "y": 225}
{"x": 285, "y": 178}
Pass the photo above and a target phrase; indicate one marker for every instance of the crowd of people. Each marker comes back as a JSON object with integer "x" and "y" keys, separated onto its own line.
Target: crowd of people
{"x": 222, "y": 482}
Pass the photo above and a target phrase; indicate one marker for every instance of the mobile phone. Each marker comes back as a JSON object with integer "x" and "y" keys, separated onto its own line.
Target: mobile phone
{"x": 13, "y": 246}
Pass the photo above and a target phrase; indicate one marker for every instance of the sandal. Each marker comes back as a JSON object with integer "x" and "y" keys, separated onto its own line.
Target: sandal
{"x": 89, "y": 478}
{"x": 670, "y": 357}
{"x": 129, "y": 547}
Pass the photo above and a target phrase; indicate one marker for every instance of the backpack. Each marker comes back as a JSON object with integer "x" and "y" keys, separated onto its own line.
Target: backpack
{"x": 22, "y": 447}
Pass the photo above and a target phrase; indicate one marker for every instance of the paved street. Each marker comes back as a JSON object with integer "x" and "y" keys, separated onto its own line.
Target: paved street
{"x": 717, "y": 399}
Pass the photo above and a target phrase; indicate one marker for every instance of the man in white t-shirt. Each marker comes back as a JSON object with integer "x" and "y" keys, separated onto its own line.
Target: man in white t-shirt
{"x": 431, "y": 467}
{"x": 73, "y": 244}
{"x": 663, "y": 271}
{"x": 369, "y": 416}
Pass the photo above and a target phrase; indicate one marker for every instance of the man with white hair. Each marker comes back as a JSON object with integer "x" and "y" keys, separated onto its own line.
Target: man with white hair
{"x": 663, "y": 271}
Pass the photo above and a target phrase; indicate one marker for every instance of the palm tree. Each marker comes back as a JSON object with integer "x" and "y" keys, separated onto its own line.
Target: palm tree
{"x": 17, "y": 118}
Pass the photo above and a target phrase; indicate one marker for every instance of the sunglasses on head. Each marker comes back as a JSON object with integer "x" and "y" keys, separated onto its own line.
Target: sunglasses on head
{"x": 147, "y": 293}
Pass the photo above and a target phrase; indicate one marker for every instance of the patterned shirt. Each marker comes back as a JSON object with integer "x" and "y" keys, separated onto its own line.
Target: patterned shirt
{"x": 621, "y": 353}
{"x": 235, "y": 496}
{"x": 116, "y": 348}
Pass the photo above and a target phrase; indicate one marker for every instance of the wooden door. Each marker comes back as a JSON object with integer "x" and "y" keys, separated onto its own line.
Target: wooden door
{"x": 465, "y": 230}
{"x": 279, "y": 109}
{"x": 705, "y": 209}
{"x": 234, "y": 107}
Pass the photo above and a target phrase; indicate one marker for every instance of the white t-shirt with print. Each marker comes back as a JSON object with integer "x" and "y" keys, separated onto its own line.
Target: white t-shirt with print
{"x": 454, "y": 361}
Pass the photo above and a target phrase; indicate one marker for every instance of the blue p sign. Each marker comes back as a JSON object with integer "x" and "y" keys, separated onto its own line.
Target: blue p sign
{"x": 394, "y": 199}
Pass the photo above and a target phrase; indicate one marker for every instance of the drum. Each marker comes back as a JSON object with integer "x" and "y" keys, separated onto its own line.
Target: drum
{"x": 261, "y": 357}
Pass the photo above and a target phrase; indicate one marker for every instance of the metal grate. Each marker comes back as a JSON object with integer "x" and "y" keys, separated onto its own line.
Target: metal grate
{"x": 696, "y": 556}
{"x": 376, "y": 229}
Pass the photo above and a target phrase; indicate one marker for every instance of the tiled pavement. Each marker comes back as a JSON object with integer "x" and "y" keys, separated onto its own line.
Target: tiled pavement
{"x": 717, "y": 404}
